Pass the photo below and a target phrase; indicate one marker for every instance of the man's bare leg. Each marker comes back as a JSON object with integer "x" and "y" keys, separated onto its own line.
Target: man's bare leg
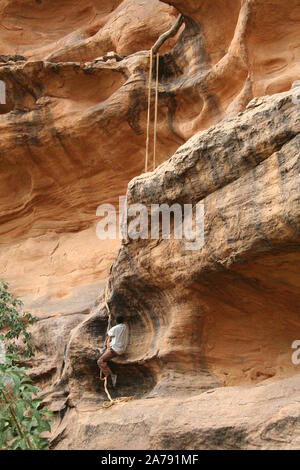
{"x": 103, "y": 365}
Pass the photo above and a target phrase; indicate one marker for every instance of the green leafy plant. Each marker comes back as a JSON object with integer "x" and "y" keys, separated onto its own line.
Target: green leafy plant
{"x": 14, "y": 323}
{"x": 23, "y": 420}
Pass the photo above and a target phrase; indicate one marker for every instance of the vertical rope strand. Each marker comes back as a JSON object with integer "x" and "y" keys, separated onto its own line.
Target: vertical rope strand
{"x": 106, "y": 390}
{"x": 149, "y": 109}
{"x": 156, "y": 106}
{"x": 107, "y": 307}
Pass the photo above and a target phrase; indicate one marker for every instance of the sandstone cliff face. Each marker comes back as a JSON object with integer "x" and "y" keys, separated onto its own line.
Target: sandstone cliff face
{"x": 73, "y": 136}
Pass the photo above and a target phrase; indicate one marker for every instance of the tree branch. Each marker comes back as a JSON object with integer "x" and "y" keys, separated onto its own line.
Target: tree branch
{"x": 168, "y": 34}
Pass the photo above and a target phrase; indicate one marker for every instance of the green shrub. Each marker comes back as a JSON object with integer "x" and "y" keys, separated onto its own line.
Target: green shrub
{"x": 14, "y": 323}
{"x": 22, "y": 418}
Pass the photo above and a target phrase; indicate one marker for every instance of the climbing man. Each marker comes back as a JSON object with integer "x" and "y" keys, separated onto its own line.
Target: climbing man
{"x": 116, "y": 344}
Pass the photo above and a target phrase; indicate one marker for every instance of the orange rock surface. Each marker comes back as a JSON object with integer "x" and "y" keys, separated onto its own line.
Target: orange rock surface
{"x": 73, "y": 132}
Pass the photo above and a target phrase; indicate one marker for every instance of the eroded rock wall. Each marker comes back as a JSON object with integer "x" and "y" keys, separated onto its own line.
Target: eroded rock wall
{"x": 226, "y": 313}
{"x": 68, "y": 115}
{"x": 214, "y": 324}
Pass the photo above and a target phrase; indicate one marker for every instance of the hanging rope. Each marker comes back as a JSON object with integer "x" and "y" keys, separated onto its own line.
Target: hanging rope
{"x": 107, "y": 307}
{"x": 154, "y": 51}
{"x": 149, "y": 110}
{"x": 106, "y": 390}
{"x": 155, "y": 115}
{"x": 107, "y": 329}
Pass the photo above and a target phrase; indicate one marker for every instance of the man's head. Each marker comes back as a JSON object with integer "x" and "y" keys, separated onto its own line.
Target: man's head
{"x": 119, "y": 319}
